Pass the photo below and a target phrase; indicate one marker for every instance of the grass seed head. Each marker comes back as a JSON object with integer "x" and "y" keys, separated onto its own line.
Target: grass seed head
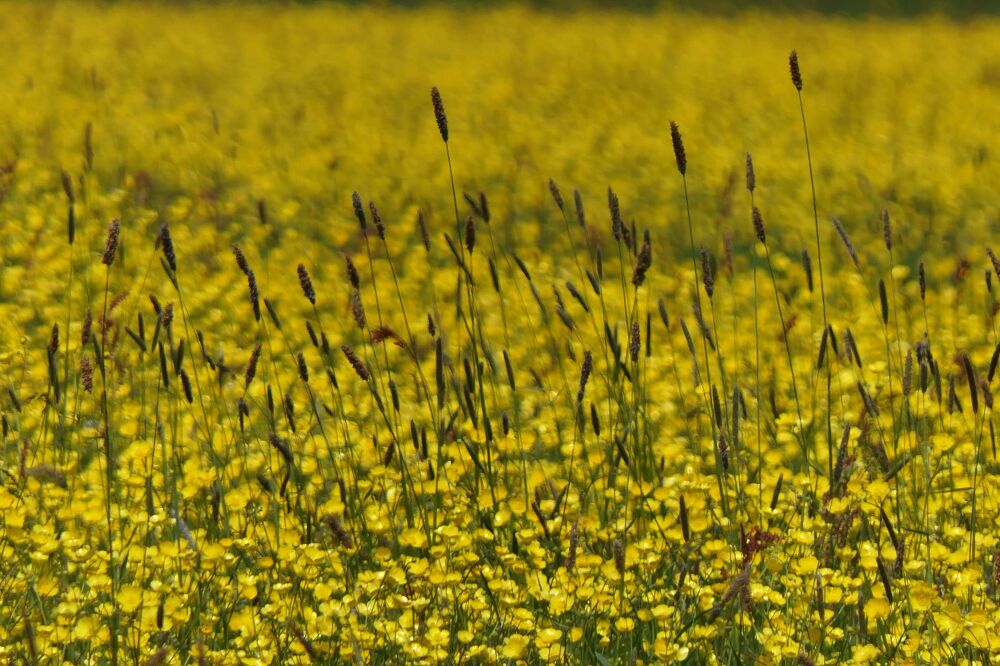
{"x": 111, "y": 243}
{"x": 557, "y": 195}
{"x": 306, "y": 283}
{"x": 356, "y": 363}
{"x": 886, "y": 230}
{"x": 439, "y": 115}
{"x": 793, "y": 68}
{"x": 352, "y": 273}
{"x": 707, "y": 277}
{"x": 642, "y": 263}
{"x": 377, "y": 220}
{"x": 679, "y": 155}
{"x": 359, "y": 211}
{"x": 167, "y": 243}
{"x": 470, "y": 233}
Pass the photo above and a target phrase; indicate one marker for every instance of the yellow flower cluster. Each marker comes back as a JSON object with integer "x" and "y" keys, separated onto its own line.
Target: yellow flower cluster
{"x": 524, "y": 374}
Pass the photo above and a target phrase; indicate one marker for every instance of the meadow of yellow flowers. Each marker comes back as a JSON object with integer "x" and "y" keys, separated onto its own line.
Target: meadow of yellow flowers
{"x": 639, "y": 340}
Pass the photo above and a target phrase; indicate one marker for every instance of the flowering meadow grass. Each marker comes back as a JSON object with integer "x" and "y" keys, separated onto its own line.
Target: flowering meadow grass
{"x": 639, "y": 340}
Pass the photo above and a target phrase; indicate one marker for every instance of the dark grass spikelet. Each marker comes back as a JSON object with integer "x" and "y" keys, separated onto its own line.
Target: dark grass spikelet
{"x": 186, "y": 385}
{"x": 618, "y": 549}
{"x": 536, "y": 509}
{"x": 842, "y": 460}
{"x": 758, "y": 225}
{"x": 634, "y": 343}
{"x": 994, "y": 260}
{"x": 241, "y": 260}
{"x": 339, "y": 532}
{"x": 577, "y": 296}
{"x": 484, "y": 207}
{"x": 679, "y": 154}
{"x": 300, "y": 361}
{"x": 751, "y": 177}
{"x": 793, "y": 68}
{"x": 470, "y": 233}
{"x": 262, "y": 211}
{"x": 585, "y": 370}
{"x": 595, "y": 282}
{"x": 851, "y": 347}
{"x": 67, "y": 185}
{"x": 352, "y": 273}
{"x": 305, "y": 643}
{"x": 85, "y": 328}
{"x": 866, "y": 398}
{"x": 723, "y": 447}
{"x": 557, "y": 195}
{"x": 833, "y": 340}
{"x": 359, "y": 210}
{"x": 253, "y": 294}
{"x": 970, "y": 378}
{"x": 358, "y": 310}
{"x": 822, "y": 348}
{"x": 716, "y": 407}
{"x": 111, "y": 243}
{"x": 776, "y": 495}
{"x": 574, "y": 539}
{"x": 167, "y": 243}
{"x": 272, "y": 313}
{"x": 251, "y": 369}
{"x": 807, "y": 266}
{"x": 883, "y": 301}
{"x": 699, "y": 317}
{"x": 642, "y": 263}
{"x": 356, "y": 363}
{"x": 54, "y": 340}
{"x": 622, "y": 452}
{"x": 425, "y": 236}
{"x": 738, "y": 588}
{"x": 707, "y": 277}
{"x": 167, "y": 317}
{"x": 581, "y": 219}
{"x": 993, "y": 362}
{"x": 884, "y": 575}
{"x": 52, "y": 350}
{"x": 306, "y": 283}
{"x": 847, "y": 241}
{"x": 566, "y": 319}
{"x": 87, "y": 374}
{"x": 685, "y": 524}
{"x": 614, "y": 208}
{"x": 908, "y": 373}
{"x": 88, "y": 146}
{"x": 439, "y": 115}
{"x": 281, "y": 446}
{"x": 886, "y": 229}
{"x": 377, "y": 220}
{"x": 922, "y": 277}
{"x": 521, "y": 265}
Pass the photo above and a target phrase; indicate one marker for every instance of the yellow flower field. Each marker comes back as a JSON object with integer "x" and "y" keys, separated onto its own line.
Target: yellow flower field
{"x": 588, "y": 359}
